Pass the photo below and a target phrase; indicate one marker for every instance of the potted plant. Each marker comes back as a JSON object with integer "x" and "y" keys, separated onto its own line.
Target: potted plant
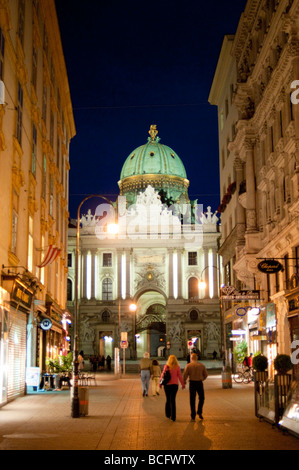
{"x": 240, "y": 351}
{"x": 260, "y": 365}
{"x": 282, "y": 383}
{"x": 283, "y": 364}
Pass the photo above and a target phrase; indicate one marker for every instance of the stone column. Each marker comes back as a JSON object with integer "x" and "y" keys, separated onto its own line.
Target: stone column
{"x": 206, "y": 272}
{"x": 215, "y": 275}
{"x": 294, "y": 52}
{"x": 93, "y": 273}
{"x": 180, "y": 274}
{"x": 250, "y": 189}
{"x": 170, "y": 273}
{"x": 119, "y": 256}
{"x": 83, "y": 272}
{"x": 240, "y": 211}
{"x": 128, "y": 274}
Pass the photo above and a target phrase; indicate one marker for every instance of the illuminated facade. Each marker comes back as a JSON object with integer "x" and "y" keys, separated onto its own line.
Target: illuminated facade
{"x": 36, "y": 125}
{"x": 155, "y": 262}
{"x": 259, "y": 165}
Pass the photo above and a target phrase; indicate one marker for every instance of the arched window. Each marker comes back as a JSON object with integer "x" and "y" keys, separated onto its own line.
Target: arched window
{"x": 107, "y": 289}
{"x": 69, "y": 290}
{"x": 106, "y": 316}
{"x": 194, "y": 315}
{"x": 193, "y": 290}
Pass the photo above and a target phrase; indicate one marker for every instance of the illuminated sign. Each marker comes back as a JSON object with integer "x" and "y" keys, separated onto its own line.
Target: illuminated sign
{"x": 270, "y": 266}
{"x": 231, "y": 293}
{"x": 46, "y": 324}
{"x": 21, "y": 294}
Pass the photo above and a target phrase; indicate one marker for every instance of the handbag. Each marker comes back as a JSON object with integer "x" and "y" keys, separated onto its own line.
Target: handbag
{"x": 166, "y": 378}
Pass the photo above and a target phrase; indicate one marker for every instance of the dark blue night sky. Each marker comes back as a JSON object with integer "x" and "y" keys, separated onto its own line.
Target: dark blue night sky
{"x": 131, "y": 64}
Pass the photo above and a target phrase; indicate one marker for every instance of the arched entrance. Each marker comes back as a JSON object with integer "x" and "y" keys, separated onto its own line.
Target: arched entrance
{"x": 151, "y": 325}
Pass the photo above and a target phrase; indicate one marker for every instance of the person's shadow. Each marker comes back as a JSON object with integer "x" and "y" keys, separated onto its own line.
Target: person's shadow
{"x": 195, "y": 434}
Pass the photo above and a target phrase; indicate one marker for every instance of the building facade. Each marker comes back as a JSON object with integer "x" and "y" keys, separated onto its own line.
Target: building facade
{"x": 36, "y": 126}
{"x": 258, "y": 117}
{"x": 164, "y": 247}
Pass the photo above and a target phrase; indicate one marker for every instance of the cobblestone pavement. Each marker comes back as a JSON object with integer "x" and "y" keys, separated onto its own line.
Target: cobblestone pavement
{"x": 120, "y": 419}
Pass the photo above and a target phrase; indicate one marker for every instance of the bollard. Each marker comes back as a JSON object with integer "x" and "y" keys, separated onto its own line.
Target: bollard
{"x": 227, "y": 380}
{"x": 83, "y": 401}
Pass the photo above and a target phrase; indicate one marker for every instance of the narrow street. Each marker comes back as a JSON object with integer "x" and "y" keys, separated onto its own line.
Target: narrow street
{"x": 120, "y": 419}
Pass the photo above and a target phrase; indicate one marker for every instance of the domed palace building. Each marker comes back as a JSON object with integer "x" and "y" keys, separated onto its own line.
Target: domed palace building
{"x": 153, "y": 280}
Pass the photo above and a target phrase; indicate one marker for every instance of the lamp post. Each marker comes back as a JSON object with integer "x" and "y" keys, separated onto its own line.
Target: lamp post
{"x": 202, "y": 285}
{"x": 75, "y": 411}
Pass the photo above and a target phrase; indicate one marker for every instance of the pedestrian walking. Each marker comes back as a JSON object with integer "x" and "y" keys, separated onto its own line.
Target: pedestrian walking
{"x": 171, "y": 389}
{"x": 197, "y": 374}
{"x": 145, "y": 366}
{"x": 81, "y": 361}
{"x": 156, "y": 374}
{"x": 108, "y": 362}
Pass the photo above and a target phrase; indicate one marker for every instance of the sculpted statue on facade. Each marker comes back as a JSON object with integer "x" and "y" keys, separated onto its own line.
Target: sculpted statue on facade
{"x": 87, "y": 333}
{"x": 212, "y": 332}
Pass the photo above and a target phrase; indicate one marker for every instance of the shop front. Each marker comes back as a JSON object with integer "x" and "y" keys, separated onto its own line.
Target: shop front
{"x": 293, "y": 317}
{"x": 4, "y": 316}
{"x": 53, "y": 338}
{"x": 14, "y": 324}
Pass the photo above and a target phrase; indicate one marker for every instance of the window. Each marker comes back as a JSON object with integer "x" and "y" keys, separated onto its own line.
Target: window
{"x": 2, "y": 47}
{"x": 107, "y": 289}
{"x": 52, "y": 130}
{"x": 44, "y": 105}
{"x": 107, "y": 260}
{"x": 59, "y": 154}
{"x": 192, "y": 258}
{"x": 34, "y": 150}
{"x": 14, "y": 232}
{"x": 51, "y": 203}
{"x": 19, "y": 114}
{"x": 69, "y": 290}
{"x": 21, "y": 21}
{"x": 193, "y": 289}
{"x": 44, "y": 182}
{"x": 227, "y": 274}
{"x": 30, "y": 245}
{"x": 34, "y": 67}
{"x": 106, "y": 316}
{"x": 194, "y": 315}
{"x": 296, "y": 260}
{"x": 70, "y": 260}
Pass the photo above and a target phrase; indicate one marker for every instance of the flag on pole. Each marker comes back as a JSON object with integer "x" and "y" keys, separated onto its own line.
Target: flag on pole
{"x": 52, "y": 254}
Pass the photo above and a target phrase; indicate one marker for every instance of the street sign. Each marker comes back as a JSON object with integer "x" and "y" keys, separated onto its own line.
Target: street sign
{"x": 124, "y": 344}
{"x": 124, "y": 336}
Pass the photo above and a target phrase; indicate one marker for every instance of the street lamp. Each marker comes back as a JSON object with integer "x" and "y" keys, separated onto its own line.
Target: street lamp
{"x": 75, "y": 412}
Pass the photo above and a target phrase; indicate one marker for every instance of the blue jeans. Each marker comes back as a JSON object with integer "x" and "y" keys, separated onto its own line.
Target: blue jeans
{"x": 145, "y": 380}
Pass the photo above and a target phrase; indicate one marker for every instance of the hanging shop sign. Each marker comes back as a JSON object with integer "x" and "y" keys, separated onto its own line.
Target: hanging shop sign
{"x": 293, "y": 282}
{"x": 231, "y": 293}
{"x": 21, "y": 294}
{"x": 46, "y": 324}
{"x": 270, "y": 266}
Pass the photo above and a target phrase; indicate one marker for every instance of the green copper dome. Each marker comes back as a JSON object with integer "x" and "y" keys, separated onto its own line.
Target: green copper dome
{"x": 156, "y": 165}
{"x": 153, "y": 158}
